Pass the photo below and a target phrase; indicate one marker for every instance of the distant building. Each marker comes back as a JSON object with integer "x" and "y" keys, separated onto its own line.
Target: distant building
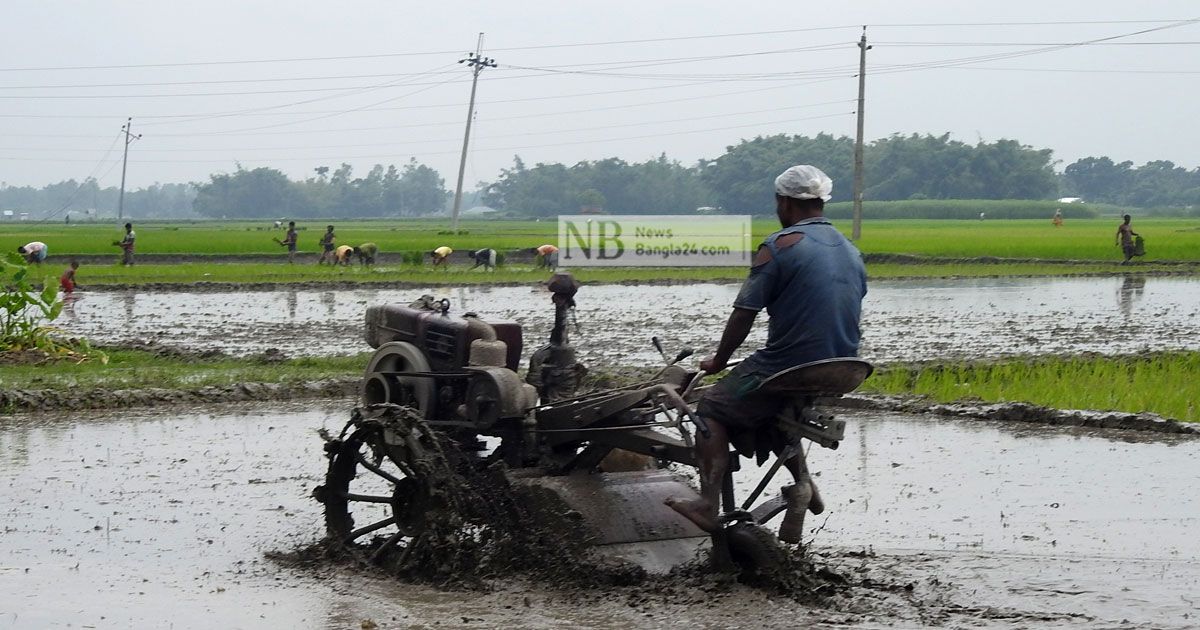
{"x": 1071, "y": 200}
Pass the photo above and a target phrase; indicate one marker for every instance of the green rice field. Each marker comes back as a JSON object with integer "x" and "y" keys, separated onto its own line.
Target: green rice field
{"x": 1163, "y": 383}
{"x": 1079, "y": 239}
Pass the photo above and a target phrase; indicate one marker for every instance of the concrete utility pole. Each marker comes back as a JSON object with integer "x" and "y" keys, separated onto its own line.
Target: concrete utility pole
{"x": 129, "y": 138}
{"x": 477, "y": 62}
{"x": 856, "y": 232}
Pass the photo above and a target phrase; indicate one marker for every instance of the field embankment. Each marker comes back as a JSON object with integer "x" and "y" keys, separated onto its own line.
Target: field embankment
{"x": 1155, "y": 387}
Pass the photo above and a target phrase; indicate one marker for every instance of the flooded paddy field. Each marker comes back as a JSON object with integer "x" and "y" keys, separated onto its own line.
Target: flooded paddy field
{"x": 902, "y": 320}
{"x": 162, "y": 519}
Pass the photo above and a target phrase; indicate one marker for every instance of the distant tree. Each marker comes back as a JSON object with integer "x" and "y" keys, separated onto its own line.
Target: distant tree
{"x": 742, "y": 180}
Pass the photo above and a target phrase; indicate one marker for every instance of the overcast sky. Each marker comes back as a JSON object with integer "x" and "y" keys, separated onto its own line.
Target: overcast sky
{"x": 238, "y": 82}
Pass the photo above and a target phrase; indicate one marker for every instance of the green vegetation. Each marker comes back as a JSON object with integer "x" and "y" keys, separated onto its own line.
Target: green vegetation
{"x": 1081, "y": 239}
{"x": 97, "y": 275}
{"x": 1163, "y": 383}
{"x": 26, "y": 312}
{"x": 1089, "y": 240}
{"x": 134, "y": 369}
{"x": 969, "y": 209}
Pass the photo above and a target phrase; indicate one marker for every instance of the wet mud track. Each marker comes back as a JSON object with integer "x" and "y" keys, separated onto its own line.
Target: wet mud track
{"x": 154, "y": 519}
{"x": 902, "y": 320}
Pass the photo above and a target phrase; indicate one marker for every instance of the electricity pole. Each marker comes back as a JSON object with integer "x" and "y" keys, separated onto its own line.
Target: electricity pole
{"x": 477, "y": 62}
{"x": 129, "y": 138}
{"x": 856, "y": 232}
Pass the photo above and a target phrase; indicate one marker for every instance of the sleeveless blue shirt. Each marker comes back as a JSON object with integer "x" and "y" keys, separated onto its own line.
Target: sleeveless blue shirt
{"x": 813, "y": 292}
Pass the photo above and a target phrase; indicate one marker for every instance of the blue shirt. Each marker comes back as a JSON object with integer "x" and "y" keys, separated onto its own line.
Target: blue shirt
{"x": 813, "y": 291}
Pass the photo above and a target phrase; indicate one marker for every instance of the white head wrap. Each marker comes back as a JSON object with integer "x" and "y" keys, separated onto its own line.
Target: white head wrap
{"x": 804, "y": 182}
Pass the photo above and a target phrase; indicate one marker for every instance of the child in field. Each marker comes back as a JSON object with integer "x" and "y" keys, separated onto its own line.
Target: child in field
{"x": 366, "y": 253}
{"x": 440, "y": 255}
{"x": 327, "y": 244}
{"x": 341, "y": 255}
{"x": 67, "y": 280}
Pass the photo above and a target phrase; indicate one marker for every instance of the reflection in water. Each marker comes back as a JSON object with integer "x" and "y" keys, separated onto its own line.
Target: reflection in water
{"x": 69, "y": 301}
{"x": 290, "y": 298}
{"x": 329, "y": 300}
{"x": 1132, "y": 288}
{"x": 128, "y": 300}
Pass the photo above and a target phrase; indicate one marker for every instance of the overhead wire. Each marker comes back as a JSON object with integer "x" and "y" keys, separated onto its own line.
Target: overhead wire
{"x": 477, "y": 135}
{"x": 71, "y": 199}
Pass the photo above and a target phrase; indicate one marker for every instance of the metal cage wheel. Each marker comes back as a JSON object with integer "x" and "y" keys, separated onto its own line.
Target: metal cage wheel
{"x": 373, "y": 493}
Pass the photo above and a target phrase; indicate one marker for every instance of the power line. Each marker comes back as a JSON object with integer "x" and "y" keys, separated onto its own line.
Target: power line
{"x": 392, "y": 156}
{"x": 428, "y": 53}
{"x": 447, "y": 140}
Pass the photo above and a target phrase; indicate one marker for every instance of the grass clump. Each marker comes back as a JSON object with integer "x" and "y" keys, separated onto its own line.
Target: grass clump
{"x": 1162, "y": 383}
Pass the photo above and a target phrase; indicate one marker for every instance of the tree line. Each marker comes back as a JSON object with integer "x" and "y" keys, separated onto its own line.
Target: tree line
{"x": 897, "y": 168}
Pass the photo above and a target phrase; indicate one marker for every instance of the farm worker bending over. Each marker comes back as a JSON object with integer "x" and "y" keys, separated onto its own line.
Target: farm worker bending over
{"x": 440, "y": 255}
{"x": 547, "y": 256}
{"x": 485, "y": 257}
{"x": 327, "y": 242}
{"x": 67, "y": 280}
{"x": 812, "y": 281}
{"x": 33, "y": 252}
{"x": 126, "y": 245}
{"x": 1057, "y": 221}
{"x": 366, "y": 253}
{"x": 341, "y": 255}
{"x": 289, "y": 241}
{"x": 1125, "y": 236}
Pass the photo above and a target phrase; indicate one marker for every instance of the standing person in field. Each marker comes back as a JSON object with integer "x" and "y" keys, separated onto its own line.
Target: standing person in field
{"x": 440, "y": 255}
{"x": 811, "y": 280}
{"x": 126, "y": 244}
{"x": 67, "y": 280}
{"x": 1125, "y": 236}
{"x": 366, "y": 253}
{"x": 485, "y": 258}
{"x": 289, "y": 241}
{"x": 547, "y": 256}
{"x": 34, "y": 252}
{"x": 327, "y": 244}
{"x": 1057, "y": 217}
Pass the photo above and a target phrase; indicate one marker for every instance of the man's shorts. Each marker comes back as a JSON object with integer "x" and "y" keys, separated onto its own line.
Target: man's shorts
{"x": 1128, "y": 250}
{"x": 734, "y": 403}
{"x": 291, "y": 247}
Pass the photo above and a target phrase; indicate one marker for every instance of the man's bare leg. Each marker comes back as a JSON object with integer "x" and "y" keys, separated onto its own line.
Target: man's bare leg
{"x": 712, "y": 458}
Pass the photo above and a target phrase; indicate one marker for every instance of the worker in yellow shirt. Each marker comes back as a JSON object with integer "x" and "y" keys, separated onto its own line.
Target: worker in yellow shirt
{"x": 341, "y": 255}
{"x": 440, "y": 255}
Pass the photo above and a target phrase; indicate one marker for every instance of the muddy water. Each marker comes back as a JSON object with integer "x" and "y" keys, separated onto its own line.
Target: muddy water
{"x": 162, "y": 520}
{"x": 902, "y": 320}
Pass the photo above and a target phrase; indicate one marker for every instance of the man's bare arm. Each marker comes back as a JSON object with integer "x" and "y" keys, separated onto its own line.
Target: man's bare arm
{"x": 740, "y": 322}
